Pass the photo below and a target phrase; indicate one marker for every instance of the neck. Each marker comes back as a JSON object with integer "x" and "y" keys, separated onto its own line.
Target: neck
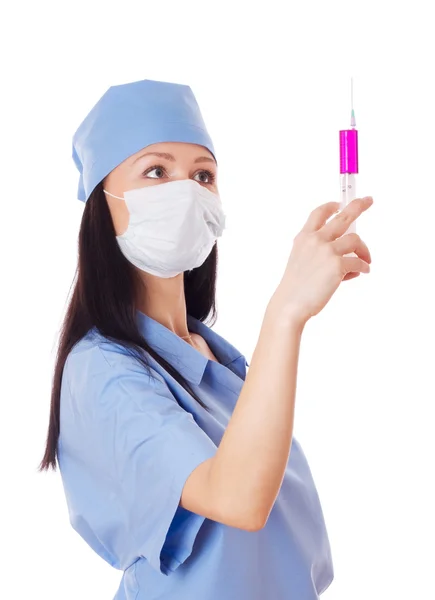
{"x": 163, "y": 300}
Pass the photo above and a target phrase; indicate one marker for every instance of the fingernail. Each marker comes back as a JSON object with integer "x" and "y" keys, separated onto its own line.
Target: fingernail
{"x": 368, "y": 198}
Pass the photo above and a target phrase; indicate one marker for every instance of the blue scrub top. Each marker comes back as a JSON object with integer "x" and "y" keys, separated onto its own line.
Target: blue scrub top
{"x": 128, "y": 442}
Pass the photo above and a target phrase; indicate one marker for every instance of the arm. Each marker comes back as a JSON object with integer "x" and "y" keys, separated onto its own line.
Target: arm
{"x": 239, "y": 485}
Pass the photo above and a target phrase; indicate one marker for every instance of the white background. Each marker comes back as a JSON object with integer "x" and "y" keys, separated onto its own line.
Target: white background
{"x": 273, "y": 83}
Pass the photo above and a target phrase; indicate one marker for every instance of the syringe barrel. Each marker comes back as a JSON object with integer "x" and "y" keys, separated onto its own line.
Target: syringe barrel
{"x": 348, "y": 168}
{"x": 348, "y": 193}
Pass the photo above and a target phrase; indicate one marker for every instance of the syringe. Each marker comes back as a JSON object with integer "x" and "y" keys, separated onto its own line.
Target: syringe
{"x": 349, "y": 162}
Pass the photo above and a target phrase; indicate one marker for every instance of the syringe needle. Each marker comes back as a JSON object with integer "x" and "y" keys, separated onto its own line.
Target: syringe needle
{"x": 352, "y": 114}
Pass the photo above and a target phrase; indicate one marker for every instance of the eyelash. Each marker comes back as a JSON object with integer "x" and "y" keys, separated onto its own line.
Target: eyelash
{"x": 211, "y": 176}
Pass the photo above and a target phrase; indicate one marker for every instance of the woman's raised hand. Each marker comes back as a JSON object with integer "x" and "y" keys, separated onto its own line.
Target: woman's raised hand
{"x": 318, "y": 262}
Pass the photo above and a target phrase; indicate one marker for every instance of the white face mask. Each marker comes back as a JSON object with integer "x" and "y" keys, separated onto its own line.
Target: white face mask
{"x": 173, "y": 226}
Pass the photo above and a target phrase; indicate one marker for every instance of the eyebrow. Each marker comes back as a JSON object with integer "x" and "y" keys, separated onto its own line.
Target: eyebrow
{"x": 172, "y": 158}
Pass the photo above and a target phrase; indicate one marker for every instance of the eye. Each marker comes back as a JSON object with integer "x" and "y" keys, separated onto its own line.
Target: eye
{"x": 158, "y": 169}
{"x": 205, "y": 177}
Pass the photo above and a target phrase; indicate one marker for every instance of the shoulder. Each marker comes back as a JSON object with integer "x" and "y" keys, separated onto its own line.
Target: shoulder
{"x": 96, "y": 362}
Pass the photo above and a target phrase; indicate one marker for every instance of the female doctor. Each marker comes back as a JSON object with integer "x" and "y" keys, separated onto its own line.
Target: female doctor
{"x": 179, "y": 467}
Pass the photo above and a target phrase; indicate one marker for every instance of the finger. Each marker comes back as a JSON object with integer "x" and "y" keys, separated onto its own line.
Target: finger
{"x": 354, "y": 265}
{"x": 351, "y": 276}
{"x": 341, "y": 223}
{"x": 320, "y": 215}
{"x": 351, "y": 242}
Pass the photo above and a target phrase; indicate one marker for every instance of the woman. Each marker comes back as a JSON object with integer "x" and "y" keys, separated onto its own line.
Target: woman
{"x": 179, "y": 467}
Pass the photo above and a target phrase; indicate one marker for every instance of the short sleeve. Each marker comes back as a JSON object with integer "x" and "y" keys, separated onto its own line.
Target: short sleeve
{"x": 126, "y": 450}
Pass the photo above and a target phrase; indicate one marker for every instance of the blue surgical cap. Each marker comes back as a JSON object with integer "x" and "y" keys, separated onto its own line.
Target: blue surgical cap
{"x": 129, "y": 117}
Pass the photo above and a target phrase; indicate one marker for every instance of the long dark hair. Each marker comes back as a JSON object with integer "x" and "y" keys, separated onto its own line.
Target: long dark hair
{"x": 104, "y": 296}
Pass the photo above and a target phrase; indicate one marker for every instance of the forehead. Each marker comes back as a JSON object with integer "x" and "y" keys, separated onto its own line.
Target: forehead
{"x": 176, "y": 149}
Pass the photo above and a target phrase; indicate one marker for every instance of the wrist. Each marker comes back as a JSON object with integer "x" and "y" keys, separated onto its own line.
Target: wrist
{"x": 285, "y": 313}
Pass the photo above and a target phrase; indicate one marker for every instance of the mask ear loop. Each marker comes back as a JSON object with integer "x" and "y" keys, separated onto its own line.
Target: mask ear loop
{"x": 109, "y": 194}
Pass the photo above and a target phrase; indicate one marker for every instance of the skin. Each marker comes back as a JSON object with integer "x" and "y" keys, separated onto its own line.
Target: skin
{"x": 162, "y": 299}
